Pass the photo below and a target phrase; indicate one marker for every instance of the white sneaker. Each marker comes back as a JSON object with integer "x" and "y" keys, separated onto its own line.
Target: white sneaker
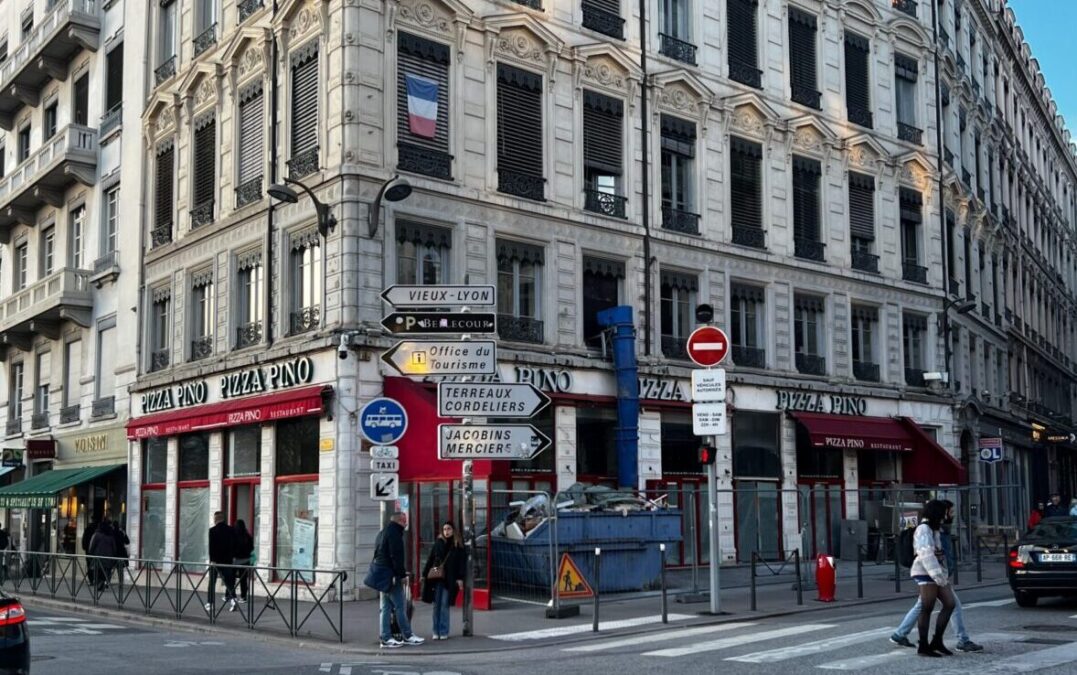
{"x": 413, "y": 640}
{"x": 209, "y": 607}
{"x": 391, "y": 643}
{"x": 232, "y": 605}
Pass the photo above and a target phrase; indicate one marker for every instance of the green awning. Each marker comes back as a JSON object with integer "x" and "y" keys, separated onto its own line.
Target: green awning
{"x": 39, "y": 492}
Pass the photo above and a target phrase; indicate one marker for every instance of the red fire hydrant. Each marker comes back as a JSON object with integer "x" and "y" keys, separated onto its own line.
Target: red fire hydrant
{"x": 825, "y": 577}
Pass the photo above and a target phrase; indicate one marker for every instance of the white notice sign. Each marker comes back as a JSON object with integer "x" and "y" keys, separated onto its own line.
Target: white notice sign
{"x": 708, "y": 384}
{"x": 708, "y": 419}
{"x": 385, "y": 451}
{"x": 385, "y": 465}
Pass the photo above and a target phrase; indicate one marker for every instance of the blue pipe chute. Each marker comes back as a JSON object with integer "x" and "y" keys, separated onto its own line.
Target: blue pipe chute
{"x": 619, "y": 319}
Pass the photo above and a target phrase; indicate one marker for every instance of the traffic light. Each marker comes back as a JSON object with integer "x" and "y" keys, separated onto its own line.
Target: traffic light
{"x": 707, "y": 454}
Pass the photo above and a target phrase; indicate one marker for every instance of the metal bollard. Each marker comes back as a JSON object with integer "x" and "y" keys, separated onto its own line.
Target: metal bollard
{"x": 753, "y": 582}
{"x": 665, "y": 599}
{"x": 859, "y": 572}
{"x": 897, "y": 565}
{"x": 979, "y": 563}
{"x": 800, "y": 583}
{"x": 598, "y": 584}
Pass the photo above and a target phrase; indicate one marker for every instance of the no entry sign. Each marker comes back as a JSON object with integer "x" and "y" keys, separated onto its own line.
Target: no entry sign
{"x": 708, "y": 346}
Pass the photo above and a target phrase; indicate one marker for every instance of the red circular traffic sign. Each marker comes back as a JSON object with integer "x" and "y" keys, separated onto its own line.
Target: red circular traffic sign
{"x": 708, "y": 346}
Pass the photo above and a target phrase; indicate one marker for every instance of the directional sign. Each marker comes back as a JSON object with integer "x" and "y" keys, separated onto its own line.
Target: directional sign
{"x": 440, "y": 323}
{"x": 383, "y": 420}
{"x": 384, "y": 487}
{"x": 385, "y": 465}
{"x": 385, "y": 452}
{"x": 708, "y": 419}
{"x": 707, "y": 346}
{"x": 490, "y": 441}
{"x": 440, "y": 296}
{"x": 991, "y": 450}
{"x": 447, "y": 357}
{"x": 490, "y": 399}
{"x": 708, "y": 385}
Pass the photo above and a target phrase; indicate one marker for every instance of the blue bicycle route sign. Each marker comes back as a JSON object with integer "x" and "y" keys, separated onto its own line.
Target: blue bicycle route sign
{"x": 383, "y": 421}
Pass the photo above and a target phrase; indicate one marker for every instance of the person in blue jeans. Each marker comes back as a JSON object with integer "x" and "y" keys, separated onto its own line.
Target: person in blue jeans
{"x": 443, "y": 577}
{"x": 389, "y": 551}
{"x": 964, "y": 643}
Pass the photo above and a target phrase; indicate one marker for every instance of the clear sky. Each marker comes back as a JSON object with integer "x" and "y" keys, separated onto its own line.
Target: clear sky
{"x": 1049, "y": 27}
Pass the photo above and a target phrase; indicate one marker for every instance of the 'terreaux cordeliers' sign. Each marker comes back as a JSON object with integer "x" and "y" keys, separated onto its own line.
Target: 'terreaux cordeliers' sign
{"x": 258, "y": 380}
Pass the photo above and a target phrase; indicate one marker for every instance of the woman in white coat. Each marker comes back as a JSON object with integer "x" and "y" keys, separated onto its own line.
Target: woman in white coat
{"x": 930, "y": 574}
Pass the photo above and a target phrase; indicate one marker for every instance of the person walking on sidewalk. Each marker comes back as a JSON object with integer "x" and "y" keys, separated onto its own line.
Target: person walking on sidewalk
{"x": 964, "y": 643}
{"x": 102, "y": 550}
{"x": 389, "y": 552}
{"x": 930, "y": 574}
{"x": 443, "y": 577}
{"x": 243, "y": 552}
{"x": 222, "y": 546}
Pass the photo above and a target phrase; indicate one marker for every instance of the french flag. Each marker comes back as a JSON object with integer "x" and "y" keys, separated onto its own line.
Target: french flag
{"x": 422, "y": 105}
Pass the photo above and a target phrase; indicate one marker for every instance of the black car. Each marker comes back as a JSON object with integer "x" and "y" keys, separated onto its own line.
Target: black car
{"x": 14, "y": 637}
{"x": 1044, "y": 561}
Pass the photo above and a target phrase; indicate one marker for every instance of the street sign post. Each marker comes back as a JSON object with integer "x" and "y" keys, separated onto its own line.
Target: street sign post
{"x": 440, "y": 296}
{"x": 440, "y": 323}
{"x": 489, "y": 399}
{"x": 383, "y": 420}
{"x": 707, "y": 346}
{"x": 384, "y": 487}
{"x": 708, "y": 385}
{"x": 490, "y": 441}
{"x": 443, "y": 357}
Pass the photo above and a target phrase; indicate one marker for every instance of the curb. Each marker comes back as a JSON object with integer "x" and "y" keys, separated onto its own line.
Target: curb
{"x": 336, "y": 647}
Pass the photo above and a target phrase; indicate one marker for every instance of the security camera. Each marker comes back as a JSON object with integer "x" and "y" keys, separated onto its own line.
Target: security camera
{"x": 342, "y": 348}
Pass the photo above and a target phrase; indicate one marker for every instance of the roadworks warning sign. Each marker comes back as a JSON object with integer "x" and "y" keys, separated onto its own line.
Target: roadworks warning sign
{"x": 570, "y": 583}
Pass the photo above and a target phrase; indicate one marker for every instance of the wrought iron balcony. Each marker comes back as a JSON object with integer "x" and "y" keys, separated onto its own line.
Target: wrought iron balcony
{"x": 39, "y": 308}
{"x": 304, "y": 319}
{"x": 248, "y": 7}
{"x": 907, "y": 132}
{"x": 745, "y": 73}
{"x": 865, "y": 262}
{"x": 41, "y": 179}
{"x": 201, "y": 347}
{"x": 746, "y": 235}
{"x": 160, "y": 236}
{"x": 103, "y": 407}
{"x": 533, "y": 4}
{"x": 159, "y": 360}
{"x": 966, "y": 178}
{"x": 861, "y": 117}
{"x": 602, "y": 21}
{"x": 248, "y": 334}
{"x": 906, "y": 6}
{"x": 47, "y": 53}
{"x": 164, "y": 71}
{"x": 914, "y": 377}
{"x": 111, "y": 119}
{"x": 677, "y": 220}
{"x": 249, "y": 192}
{"x": 948, "y": 156}
{"x": 910, "y": 271}
{"x": 866, "y": 371}
{"x": 520, "y": 329}
{"x": 675, "y": 347}
{"x": 809, "y": 249}
{"x": 14, "y": 426}
{"x": 70, "y": 413}
{"x": 807, "y": 96}
{"x": 955, "y": 287}
{"x": 303, "y": 164}
{"x": 676, "y": 48}
{"x": 810, "y": 364}
{"x": 423, "y": 161}
{"x": 205, "y": 40}
{"x": 39, "y": 420}
{"x": 605, "y": 203}
{"x": 521, "y": 185}
{"x": 202, "y": 214}
{"x": 749, "y": 357}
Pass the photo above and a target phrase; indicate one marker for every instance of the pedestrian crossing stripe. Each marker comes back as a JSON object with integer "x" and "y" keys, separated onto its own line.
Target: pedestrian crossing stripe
{"x": 570, "y": 583}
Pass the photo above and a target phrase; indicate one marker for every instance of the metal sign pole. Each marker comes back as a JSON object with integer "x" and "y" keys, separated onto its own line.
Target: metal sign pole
{"x": 712, "y": 521}
{"x": 469, "y": 548}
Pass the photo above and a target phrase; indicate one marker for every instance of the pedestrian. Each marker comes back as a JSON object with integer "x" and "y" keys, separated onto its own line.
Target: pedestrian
{"x": 1036, "y": 516}
{"x": 1055, "y": 508}
{"x": 389, "y": 552}
{"x": 964, "y": 643}
{"x": 221, "y": 557}
{"x": 930, "y": 574}
{"x": 122, "y": 542}
{"x": 243, "y": 552}
{"x": 87, "y": 535}
{"x": 102, "y": 550}
{"x": 1073, "y": 507}
{"x": 443, "y": 577}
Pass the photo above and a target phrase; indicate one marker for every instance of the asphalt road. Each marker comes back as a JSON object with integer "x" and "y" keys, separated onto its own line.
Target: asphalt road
{"x": 852, "y": 639}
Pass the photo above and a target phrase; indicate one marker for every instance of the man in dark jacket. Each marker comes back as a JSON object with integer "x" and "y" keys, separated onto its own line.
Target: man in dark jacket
{"x": 222, "y": 547}
{"x": 389, "y": 551}
{"x": 87, "y": 535}
{"x": 102, "y": 549}
{"x": 1055, "y": 508}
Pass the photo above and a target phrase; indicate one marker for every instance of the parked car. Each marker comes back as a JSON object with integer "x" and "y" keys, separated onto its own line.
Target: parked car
{"x": 14, "y": 637}
{"x": 1044, "y": 561}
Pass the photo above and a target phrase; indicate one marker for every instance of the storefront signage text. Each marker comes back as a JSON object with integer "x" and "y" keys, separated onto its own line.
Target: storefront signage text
{"x": 834, "y": 404}
{"x": 251, "y": 381}
{"x": 557, "y": 381}
{"x": 180, "y": 396}
{"x": 90, "y": 444}
{"x": 561, "y": 382}
{"x": 654, "y": 389}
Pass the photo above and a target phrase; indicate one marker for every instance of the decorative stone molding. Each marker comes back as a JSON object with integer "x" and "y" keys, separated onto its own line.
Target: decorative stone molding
{"x": 520, "y": 39}
{"x": 603, "y": 66}
{"x": 680, "y": 93}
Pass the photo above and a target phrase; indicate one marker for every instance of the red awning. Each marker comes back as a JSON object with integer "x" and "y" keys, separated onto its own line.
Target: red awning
{"x": 251, "y": 410}
{"x": 929, "y": 463}
{"x": 855, "y": 433}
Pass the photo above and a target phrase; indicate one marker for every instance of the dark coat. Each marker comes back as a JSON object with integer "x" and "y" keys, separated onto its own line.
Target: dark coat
{"x": 103, "y": 542}
{"x": 389, "y": 549}
{"x": 122, "y": 540}
{"x": 87, "y": 535}
{"x": 453, "y": 561}
{"x": 1056, "y": 510}
{"x": 244, "y": 548}
{"x": 222, "y": 544}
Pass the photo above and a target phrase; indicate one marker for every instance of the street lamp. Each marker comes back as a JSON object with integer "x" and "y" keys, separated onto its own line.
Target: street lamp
{"x": 280, "y": 191}
{"x": 393, "y": 190}
{"x": 961, "y": 307}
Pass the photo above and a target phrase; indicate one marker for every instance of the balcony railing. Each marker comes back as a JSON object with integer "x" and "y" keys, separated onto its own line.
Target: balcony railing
{"x": 910, "y": 271}
{"x": 955, "y": 287}
{"x": 862, "y": 117}
{"x": 249, "y": 192}
{"x": 597, "y": 201}
{"x": 810, "y": 364}
{"x": 39, "y": 420}
{"x": 866, "y": 371}
{"x": 201, "y": 347}
{"x": 520, "y": 329}
{"x": 423, "y": 161}
{"x": 966, "y": 178}
{"x": 745, "y": 73}
{"x": 304, "y": 320}
{"x": 103, "y": 407}
{"x": 865, "y": 262}
{"x": 907, "y": 132}
{"x": 160, "y": 236}
{"x": 677, "y": 220}
{"x": 105, "y": 263}
{"x": 675, "y": 347}
{"x": 111, "y": 119}
{"x": 205, "y": 40}
{"x": 248, "y": 334}
{"x": 164, "y": 71}
{"x": 202, "y": 214}
{"x": 159, "y": 360}
{"x": 248, "y": 7}
{"x": 948, "y": 156}
{"x": 906, "y": 6}
{"x": 602, "y": 21}
{"x": 806, "y": 96}
{"x": 746, "y": 235}
{"x": 64, "y": 294}
{"x": 303, "y": 164}
{"x": 676, "y": 48}
{"x": 809, "y": 249}
{"x": 39, "y": 180}
{"x": 14, "y": 426}
{"x": 70, "y": 414}
{"x": 533, "y": 4}
{"x": 914, "y": 377}
{"x": 521, "y": 185}
{"x": 749, "y": 357}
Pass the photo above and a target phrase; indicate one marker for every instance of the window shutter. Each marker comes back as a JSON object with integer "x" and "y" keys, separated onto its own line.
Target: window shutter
{"x": 205, "y": 152}
{"x": 305, "y": 100}
{"x": 742, "y": 35}
{"x": 163, "y": 189}
{"x": 806, "y": 174}
{"x": 603, "y": 125}
{"x": 678, "y": 136}
{"x": 114, "y": 79}
{"x": 856, "y": 72}
{"x": 428, "y": 59}
{"x": 519, "y": 121}
{"x": 746, "y": 184}
{"x": 802, "y": 27}
{"x": 906, "y": 67}
{"x": 911, "y": 204}
{"x": 251, "y": 115}
{"x": 862, "y": 206}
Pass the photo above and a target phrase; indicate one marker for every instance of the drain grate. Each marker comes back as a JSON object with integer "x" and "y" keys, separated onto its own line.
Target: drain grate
{"x": 1050, "y": 628}
{"x": 1045, "y": 641}
{"x": 41, "y": 658}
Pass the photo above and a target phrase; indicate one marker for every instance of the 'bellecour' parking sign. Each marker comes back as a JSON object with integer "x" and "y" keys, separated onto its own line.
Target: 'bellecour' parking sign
{"x": 383, "y": 421}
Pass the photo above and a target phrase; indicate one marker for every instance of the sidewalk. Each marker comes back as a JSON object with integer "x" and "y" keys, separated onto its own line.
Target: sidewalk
{"x": 509, "y": 624}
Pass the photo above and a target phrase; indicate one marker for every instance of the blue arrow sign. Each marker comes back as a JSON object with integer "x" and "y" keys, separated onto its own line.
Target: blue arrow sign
{"x": 383, "y": 421}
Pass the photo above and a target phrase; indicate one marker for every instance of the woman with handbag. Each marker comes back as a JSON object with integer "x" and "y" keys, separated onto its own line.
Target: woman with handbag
{"x": 443, "y": 577}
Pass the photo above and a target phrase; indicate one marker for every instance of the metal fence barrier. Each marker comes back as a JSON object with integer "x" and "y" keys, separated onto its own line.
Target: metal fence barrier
{"x": 758, "y": 561}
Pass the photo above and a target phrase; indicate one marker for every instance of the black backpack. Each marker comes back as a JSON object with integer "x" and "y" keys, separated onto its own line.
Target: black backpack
{"x": 905, "y": 553}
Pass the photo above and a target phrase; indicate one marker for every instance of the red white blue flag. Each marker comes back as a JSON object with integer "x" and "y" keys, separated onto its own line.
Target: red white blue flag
{"x": 422, "y": 105}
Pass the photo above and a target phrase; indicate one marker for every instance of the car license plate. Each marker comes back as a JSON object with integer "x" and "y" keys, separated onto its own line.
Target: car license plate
{"x": 1058, "y": 557}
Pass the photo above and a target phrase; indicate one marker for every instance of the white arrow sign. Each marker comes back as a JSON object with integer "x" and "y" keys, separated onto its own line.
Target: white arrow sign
{"x": 440, "y": 296}
{"x": 384, "y": 487}
{"x": 490, "y": 441}
{"x": 385, "y": 465}
{"x": 443, "y": 357}
{"x": 489, "y": 399}
{"x": 385, "y": 452}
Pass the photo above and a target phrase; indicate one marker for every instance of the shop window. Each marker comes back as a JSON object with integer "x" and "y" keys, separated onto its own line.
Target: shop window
{"x": 154, "y": 506}
{"x": 154, "y": 460}
{"x": 194, "y": 457}
{"x": 602, "y": 281}
{"x": 596, "y": 442}
{"x": 678, "y": 296}
{"x": 816, "y": 462}
{"x": 422, "y": 253}
{"x": 194, "y": 524}
{"x": 875, "y": 467}
{"x": 546, "y": 461}
{"x": 297, "y": 492}
{"x": 756, "y": 445}
{"x": 519, "y": 284}
{"x": 680, "y": 447}
{"x": 244, "y": 452}
{"x": 297, "y": 446}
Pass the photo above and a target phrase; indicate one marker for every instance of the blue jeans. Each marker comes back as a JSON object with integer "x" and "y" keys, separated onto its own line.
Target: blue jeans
{"x": 393, "y": 602}
{"x": 441, "y": 610}
{"x": 957, "y": 620}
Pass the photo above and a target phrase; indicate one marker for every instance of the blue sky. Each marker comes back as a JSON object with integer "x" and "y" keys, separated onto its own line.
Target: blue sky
{"x": 1048, "y": 26}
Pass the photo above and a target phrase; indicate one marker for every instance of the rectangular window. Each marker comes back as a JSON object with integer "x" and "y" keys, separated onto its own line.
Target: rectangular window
{"x": 24, "y": 143}
{"x": 803, "y": 81}
{"x": 163, "y": 186}
{"x": 22, "y": 266}
{"x": 112, "y": 216}
{"x": 808, "y": 325}
{"x": 756, "y": 445}
{"x": 864, "y": 320}
{"x": 48, "y": 252}
{"x": 296, "y": 457}
{"x": 911, "y": 204}
{"x": 202, "y": 314}
{"x": 3, "y": 51}
{"x": 422, "y": 253}
{"x": 155, "y": 460}
{"x": 968, "y": 265}
{"x": 160, "y": 329}
{"x": 519, "y": 133}
{"x": 747, "y": 314}
{"x": 244, "y": 452}
{"x": 951, "y": 251}
{"x": 42, "y": 375}
{"x": 677, "y": 22}
{"x": 746, "y": 192}
{"x": 678, "y": 172}
{"x": 205, "y": 171}
{"x": 251, "y": 145}
{"x": 81, "y": 101}
{"x": 193, "y": 457}
{"x": 678, "y": 302}
{"x": 306, "y": 282}
{"x": 114, "y": 80}
{"x": 51, "y": 120}
{"x": 862, "y": 221}
{"x": 422, "y": 102}
{"x": 603, "y": 129}
{"x": 166, "y": 32}
{"x": 602, "y": 280}
{"x": 857, "y": 84}
{"x": 913, "y": 338}
{"x": 15, "y": 389}
{"x": 249, "y": 291}
{"x": 27, "y": 24}
{"x": 596, "y": 430}
{"x": 105, "y": 377}
{"x": 743, "y": 47}
{"x": 304, "y": 145}
{"x": 905, "y": 75}
{"x": 75, "y": 228}
{"x": 519, "y": 282}
{"x": 3, "y": 160}
{"x": 194, "y": 502}
{"x": 207, "y": 14}
{"x": 806, "y": 200}
{"x": 72, "y": 373}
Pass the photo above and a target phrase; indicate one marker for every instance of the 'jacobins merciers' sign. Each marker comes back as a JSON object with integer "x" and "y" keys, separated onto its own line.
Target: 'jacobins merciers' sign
{"x": 258, "y": 380}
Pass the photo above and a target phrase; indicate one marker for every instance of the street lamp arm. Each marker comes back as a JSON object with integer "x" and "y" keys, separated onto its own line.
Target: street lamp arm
{"x": 317, "y": 202}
